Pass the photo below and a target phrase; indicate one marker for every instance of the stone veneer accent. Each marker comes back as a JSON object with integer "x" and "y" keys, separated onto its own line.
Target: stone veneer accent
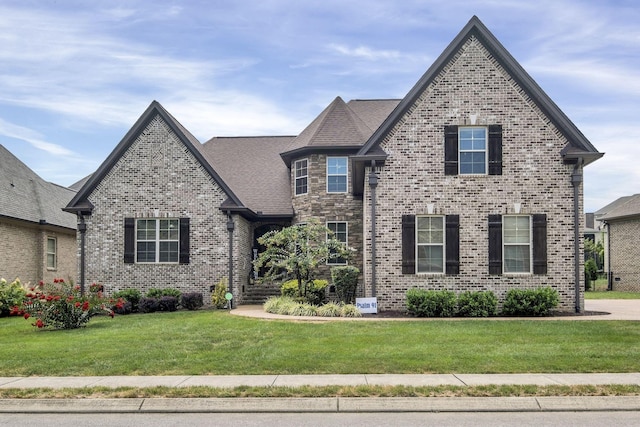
{"x": 625, "y": 254}
{"x": 413, "y": 176}
{"x": 158, "y": 177}
{"x": 329, "y": 207}
{"x": 26, "y": 258}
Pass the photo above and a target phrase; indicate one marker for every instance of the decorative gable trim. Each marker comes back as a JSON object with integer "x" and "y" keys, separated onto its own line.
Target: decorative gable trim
{"x": 475, "y": 28}
{"x": 81, "y": 204}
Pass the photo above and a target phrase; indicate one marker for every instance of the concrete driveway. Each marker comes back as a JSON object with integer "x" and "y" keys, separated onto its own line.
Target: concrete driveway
{"x": 619, "y": 309}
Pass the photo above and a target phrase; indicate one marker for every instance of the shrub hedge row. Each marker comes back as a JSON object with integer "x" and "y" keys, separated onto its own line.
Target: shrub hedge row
{"x": 445, "y": 303}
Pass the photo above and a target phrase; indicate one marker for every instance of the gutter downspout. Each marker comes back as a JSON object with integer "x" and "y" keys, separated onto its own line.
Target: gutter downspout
{"x": 373, "y": 183}
{"x": 576, "y": 180}
{"x": 230, "y": 228}
{"x": 609, "y": 273}
{"x": 82, "y": 228}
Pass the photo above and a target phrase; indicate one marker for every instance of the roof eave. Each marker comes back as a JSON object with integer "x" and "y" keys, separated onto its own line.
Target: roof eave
{"x": 287, "y": 156}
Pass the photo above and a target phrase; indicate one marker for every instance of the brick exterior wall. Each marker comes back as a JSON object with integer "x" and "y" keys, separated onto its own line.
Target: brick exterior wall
{"x": 413, "y": 176}
{"x": 329, "y": 207}
{"x": 157, "y": 177}
{"x": 23, "y": 252}
{"x": 625, "y": 254}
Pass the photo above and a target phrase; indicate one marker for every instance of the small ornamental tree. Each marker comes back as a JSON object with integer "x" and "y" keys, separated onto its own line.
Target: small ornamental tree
{"x": 297, "y": 251}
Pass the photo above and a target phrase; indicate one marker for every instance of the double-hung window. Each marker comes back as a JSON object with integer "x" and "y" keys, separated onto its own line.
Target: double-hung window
{"x": 157, "y": 240}
{"x": 473, "y": 150}
{"x": 301, "y": 176}
{"x": 337, "y": 174}
{"x": 516, "y": 231}
{"x": 339, "y": 232}
{"x": 52, "y": 253}
{"x": 430, "y": 244}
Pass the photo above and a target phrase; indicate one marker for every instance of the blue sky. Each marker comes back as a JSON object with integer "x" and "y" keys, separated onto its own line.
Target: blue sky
{"x": 76, "y": 75}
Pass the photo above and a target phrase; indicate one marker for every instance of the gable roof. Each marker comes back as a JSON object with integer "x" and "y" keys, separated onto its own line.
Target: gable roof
{"x": 252, "y": 167}
{"x": 26, "y": 196}
{"x": 80, "y": 202}
{"x": 578, "y": 147}
{"x": 624, "y": 207}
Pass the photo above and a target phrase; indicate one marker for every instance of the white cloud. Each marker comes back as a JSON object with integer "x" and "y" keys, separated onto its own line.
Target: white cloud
{"x": 32, "y": 137}
{"x": 366, "y": 53}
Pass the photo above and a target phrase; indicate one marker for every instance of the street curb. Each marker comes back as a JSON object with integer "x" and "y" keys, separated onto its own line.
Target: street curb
{"x": 331, "y": 404}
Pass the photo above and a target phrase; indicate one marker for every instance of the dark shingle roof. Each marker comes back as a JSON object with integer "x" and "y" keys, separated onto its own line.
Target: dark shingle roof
{"x": 252, "y": 167}
{"x": 623, "y": 207}
{"x": 26, "y": 196}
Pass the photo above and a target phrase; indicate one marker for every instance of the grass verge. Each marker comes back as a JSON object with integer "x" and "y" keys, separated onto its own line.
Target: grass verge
{"x": 611, "y": 295}
{"x": 330, "y": 391}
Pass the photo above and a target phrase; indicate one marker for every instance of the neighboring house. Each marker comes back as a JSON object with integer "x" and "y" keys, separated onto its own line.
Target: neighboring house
{"x": 621, "y": 220}
{"x": 472, "y": 181}
{"x": 38, "y": 238}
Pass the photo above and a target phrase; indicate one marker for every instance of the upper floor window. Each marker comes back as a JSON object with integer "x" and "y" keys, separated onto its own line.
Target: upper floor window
{"x": 473, "y": 150}
{"x": 339, "y": 231}
{"x": 157, "y": 240}
{"x": 516, "y": 231}
{"x": 52, "y": 253}
{"x": 301, "y": 176}
{"x": 430, "y": 244}
{"x": 336, "y": 174}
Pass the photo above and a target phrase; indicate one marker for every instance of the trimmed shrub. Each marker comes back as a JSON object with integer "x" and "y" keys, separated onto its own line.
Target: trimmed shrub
{"x": 166, "y": 292}
{"x": 424, "y": 303}
{"x": 123, "y": 308}
{"x": 217, "y": 297}
{"x": 11, "y": 295}
{"x": 168, "y": 303}
{"x": 530, "y": 302}
{"x": 290, "y": 289}
{"x": 192, "y": 300}
{"x": 148, "y": 305}
{"x": 315, "y": 291}
{"x": 131, "y": 295}
{"x": 477, "y": 304}
{"x": 345, "y": 279}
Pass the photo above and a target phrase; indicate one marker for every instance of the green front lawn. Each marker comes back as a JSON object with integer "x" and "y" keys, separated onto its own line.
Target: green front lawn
{"x": 611, "y": 295}
{"x": 208, "y": 342}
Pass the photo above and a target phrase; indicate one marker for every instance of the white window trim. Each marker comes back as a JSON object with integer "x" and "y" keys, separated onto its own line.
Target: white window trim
{"x": 443, "y": 245}
{"x": 346, "y": 238}
{"x": 296, "y": 177}
{"x": 530, "y": 244}
{"x": 157, "y": 240}
{"x": 346, "y": 175}
{"x": 54, "y": 253}
{"x": 486, "y": 151}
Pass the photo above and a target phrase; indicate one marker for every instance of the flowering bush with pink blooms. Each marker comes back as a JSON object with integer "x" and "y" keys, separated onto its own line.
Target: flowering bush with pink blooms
{"x": 60, "y": 305}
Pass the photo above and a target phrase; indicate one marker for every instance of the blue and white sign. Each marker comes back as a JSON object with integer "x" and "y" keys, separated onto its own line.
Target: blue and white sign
{"x": 367, "y": 305}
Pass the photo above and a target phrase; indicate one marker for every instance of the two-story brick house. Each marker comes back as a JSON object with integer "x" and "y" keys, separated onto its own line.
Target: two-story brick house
{"x": 471, "y": 181}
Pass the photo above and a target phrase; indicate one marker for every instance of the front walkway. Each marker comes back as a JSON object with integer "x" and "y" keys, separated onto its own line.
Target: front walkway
{"x": 610, "y": 309}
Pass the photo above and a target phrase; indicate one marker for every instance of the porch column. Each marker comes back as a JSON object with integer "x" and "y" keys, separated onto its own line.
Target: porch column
{"x": 373, "y": 183}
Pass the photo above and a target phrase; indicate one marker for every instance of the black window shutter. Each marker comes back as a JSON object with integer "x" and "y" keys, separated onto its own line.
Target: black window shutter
{"x": 495, "y": 244}
{"x": 408, "y": 244}
{"x": 451, "y": 150}
{"x": 453, "y": 244}
{"x": 184, "y": 240}
{"x": 495, "y": 150}
{"x": 539, "y": 244}
{"x": 129, "y": 240}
